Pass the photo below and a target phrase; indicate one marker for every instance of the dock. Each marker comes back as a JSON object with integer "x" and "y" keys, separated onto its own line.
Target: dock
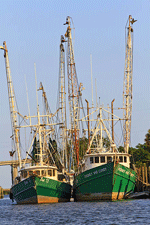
{"x": 142, "y": 187}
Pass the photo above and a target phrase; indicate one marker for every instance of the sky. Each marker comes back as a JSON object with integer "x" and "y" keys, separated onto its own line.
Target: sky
{"x": 32, "y": 31}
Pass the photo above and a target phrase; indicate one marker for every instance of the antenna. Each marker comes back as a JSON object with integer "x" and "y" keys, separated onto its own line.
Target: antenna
{"x": 96, "y": 93}
{"x": 92, "y": 81}
{"x": 27, "y": 98}
{"x": 36, "y": 87}
{"x": 38, "y": 114}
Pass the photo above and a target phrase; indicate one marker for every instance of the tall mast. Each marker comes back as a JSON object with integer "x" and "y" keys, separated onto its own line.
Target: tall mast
{"x": 127, "y": 85}
{"x": 73, "y": 95}
{"x": 92, "y": 82}
{"x": 12, "y": 104}
{"x": 62, "y": 103}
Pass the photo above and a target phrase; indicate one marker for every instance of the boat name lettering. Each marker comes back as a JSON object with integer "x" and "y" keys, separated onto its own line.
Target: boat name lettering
{"x": 127, "y": 172}
{"x": 88, "y": 175}
{"x": 102, "y": 170}
{"x": 42, "y": 179}
{"x": 132, "y": 175}
{"x": 95, "y": 172}
{"x": 47, "y": 180}
{"x": 121, "y": 170}
{"x": 26, "y": 182}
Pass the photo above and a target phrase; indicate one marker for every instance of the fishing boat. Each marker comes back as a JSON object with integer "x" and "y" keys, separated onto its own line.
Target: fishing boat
{"x": 103, "y": 178}
{"x": 40, "y": 184}
{"x": 41, "y": 181}
{"x": 105, "y": 173}
{"x": 40, "y": 177}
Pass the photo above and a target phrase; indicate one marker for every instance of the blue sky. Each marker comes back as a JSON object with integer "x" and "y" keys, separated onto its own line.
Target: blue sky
{"x": 32, "y": 31}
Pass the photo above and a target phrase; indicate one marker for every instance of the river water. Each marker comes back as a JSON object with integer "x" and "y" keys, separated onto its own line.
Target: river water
{"x": 118, "y": 212}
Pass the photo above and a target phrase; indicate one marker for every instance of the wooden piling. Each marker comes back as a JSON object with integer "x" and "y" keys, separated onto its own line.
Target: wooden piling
{"x": 138, "y": 177}
{"x": 143, "y": 178}
{"x": 1, "y": 192}
{"x": 149, "y": 174}
{"x": 146, "y": 178}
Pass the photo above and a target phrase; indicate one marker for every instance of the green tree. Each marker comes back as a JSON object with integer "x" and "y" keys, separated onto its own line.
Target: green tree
{"x": 139, "y": 155}
{"x": 83, "y": 145}
{"x": 35, "y": 149}
{"x": 147, "y": 140}
{"x": 106, "y": 142}
{"x": 121, "y": 149}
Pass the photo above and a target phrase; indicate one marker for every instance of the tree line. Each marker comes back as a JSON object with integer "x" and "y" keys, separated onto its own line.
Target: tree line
{"x": 141, "y": 153}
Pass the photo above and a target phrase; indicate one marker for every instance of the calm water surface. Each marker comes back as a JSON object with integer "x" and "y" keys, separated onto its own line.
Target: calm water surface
{"x": 119, "y": 212}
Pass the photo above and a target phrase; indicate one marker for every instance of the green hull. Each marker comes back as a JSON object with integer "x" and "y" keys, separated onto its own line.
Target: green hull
{"x": 41, "y": 190}
{"x": 106, "y": 182}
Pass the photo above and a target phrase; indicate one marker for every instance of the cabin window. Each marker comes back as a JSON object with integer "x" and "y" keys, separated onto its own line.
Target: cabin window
{"x": 96, "y": 159}
{"x": 37, "y": 172}
{"x": 102, "y": 159}
{"x": 50, "y": 173}
{"x": 30, "y": 173}
{"x": 91, "y": 160}
{"x": 109, "y": 159}
{"x": 25, "y": 174}
{"x": 53, "y": 173}
{"x": 120, "y": 159}
{"x": 43, "y": 172}
{"x": 125, "y": 159}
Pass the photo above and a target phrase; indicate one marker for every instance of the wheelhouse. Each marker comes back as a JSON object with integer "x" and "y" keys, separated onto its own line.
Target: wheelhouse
{"x": 48, "y": 172}
{"x": 94, "y": 160}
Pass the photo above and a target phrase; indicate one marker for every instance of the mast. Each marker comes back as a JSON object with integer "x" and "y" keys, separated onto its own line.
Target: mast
{"x": 62, "y": 103}
{"x": 73, "y": 95}
{"x": 12, "y": 105}
{"x": 112, "y": 117}
{"x": 40, "y": 153}
{"x": 88, "y": 121}
{"x": 92, "y": 82}
{"x": 127, "y": 85}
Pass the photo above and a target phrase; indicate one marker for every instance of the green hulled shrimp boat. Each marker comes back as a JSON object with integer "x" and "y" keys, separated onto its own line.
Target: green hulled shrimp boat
{"x": 41, "y": 184}
{"x": 104, "y": 179}
{"x": 104, "y": 172}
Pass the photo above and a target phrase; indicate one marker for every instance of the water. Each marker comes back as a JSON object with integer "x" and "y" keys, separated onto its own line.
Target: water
{"x": 119, "y": 212}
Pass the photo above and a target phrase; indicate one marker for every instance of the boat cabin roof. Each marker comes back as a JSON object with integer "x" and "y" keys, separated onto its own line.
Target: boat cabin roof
{"x": 38, "y": 168}
{"x": 108, "y": 154}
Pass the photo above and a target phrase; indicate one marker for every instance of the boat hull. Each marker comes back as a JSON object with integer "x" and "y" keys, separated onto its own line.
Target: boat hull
{"x": 106, "y": 182}
{"x": 35, "y": 190}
